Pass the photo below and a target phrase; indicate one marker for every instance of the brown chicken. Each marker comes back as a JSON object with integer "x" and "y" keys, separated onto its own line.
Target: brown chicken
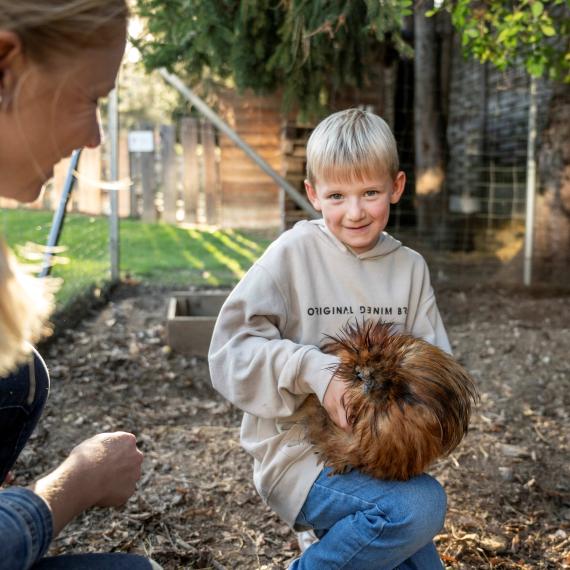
{"x": 407, "y": 403}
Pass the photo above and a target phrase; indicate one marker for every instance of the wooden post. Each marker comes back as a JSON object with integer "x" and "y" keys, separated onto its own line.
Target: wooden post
{"x": 114, "y": 244}
{"x": 88, "y": 193}
{"x": 190, "y": 173}
{"x": 124, "y": 172}
{"x": 530, "y": 184}
{"x": 169, "y": 192}
{"x": 135, "y": 160}
{"x": 210, "y": 172}
{"x": 141, "y": 147}
{"x": 148, "y": 186}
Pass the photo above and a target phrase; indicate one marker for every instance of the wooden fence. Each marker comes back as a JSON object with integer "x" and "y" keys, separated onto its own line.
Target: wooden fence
{"x": 176, "y": 182}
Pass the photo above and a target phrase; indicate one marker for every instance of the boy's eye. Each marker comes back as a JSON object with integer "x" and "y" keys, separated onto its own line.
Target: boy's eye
{"x": 335, "y": 196}
{"x": 371, "y": 192}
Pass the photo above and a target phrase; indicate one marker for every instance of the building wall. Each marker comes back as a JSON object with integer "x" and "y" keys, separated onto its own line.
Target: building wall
{"x": 249, "y": 196}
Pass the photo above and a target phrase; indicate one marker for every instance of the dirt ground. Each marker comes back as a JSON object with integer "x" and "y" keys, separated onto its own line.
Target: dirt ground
{"x": 508, "y": 483}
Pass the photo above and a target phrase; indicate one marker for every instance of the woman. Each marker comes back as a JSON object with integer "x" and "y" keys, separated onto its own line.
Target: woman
{"x": 57, "y": 58}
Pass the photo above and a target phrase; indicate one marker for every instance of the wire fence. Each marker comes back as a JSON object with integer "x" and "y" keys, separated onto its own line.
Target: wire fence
{"x": 480, "y": 225}
{"x": 81, "y": 259}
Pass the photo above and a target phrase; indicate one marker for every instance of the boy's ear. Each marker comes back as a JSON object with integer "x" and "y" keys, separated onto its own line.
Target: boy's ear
{"x": 399, "y": 185}
{"x": 10, "y": 53}
{"x": 312, "y": 195}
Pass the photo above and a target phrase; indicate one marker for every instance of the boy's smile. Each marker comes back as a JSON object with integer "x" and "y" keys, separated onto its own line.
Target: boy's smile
{"x": 357, "y": 212}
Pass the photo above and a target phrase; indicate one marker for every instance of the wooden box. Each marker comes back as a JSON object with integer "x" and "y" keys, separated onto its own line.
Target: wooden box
{"x": 190, "y": 320}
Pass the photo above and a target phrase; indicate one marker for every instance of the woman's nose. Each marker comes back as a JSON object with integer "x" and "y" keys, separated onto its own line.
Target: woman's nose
{"x": 96, "y": 136}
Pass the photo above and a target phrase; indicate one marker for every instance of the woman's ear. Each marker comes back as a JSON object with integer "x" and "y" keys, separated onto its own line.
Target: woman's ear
{"x": 10, "y": 61}
{"x": 398, "y": 187}
{"x": 312, "y": 195}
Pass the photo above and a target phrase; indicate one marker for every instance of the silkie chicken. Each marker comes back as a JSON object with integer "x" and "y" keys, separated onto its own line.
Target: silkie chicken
{"x": 407, "y": 402}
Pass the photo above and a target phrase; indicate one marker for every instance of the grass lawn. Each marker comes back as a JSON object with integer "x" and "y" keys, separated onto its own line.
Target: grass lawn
{"x": 159, "y": 253}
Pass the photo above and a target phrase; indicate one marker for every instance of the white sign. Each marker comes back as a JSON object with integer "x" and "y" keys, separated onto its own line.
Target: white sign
{"x": 464, "y": 204}
{"x": 141, "y": 141}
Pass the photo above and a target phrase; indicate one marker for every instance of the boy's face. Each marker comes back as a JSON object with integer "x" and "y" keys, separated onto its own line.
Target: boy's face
{"x": 357, "y": 213}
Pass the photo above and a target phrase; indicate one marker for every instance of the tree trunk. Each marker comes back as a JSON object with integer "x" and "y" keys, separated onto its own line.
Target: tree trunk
{"x": 552, "y": 226}
{"x": 429, "y": 155}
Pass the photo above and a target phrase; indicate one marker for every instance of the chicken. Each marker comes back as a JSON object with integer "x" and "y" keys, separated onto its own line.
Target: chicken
{"x": 407, "y": 403}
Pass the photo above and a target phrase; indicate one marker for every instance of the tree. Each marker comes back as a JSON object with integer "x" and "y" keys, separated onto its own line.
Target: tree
{"x": 310, "y": 48}
{"x": 531, "y": 32}
{"x": 534, "y": 34}
{"x": 428, "y": 132}
{"x": 307, "y": 48}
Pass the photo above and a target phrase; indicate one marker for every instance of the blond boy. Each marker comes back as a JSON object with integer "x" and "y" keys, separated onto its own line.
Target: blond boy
{"x": 265, "y": 359}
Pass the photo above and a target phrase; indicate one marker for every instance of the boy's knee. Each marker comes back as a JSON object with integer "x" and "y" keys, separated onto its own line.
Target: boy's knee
{"x": 418, "y": 512}
{"x": 425, "y": 506}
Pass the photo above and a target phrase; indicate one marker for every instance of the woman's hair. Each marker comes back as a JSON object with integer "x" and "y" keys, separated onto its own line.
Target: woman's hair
{"x": 25, "y": 304}
{"x": 51, "y": 27}
{"x": 50, "y": 30}
{"x": 351, "y": 145}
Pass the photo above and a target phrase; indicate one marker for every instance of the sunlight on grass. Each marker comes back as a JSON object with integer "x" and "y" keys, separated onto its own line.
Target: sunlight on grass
{"x": 233, "y": 244}
{"x": 155, "y": 253}
{"x": 238, "y": 237}
{"x": 232, "y": 264}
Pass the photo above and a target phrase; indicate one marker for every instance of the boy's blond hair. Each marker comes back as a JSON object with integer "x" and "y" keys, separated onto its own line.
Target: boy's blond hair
{"x": 351, "y": 145}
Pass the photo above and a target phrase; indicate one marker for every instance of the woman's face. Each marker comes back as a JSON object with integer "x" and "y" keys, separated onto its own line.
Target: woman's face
{"x": 52, "y": 111}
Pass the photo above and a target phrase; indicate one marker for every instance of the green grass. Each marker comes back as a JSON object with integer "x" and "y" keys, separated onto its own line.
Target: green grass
{"x": 155, "y": 253}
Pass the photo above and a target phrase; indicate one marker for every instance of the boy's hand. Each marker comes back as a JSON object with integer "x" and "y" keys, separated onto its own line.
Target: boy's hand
{"x": 333, "y": 403}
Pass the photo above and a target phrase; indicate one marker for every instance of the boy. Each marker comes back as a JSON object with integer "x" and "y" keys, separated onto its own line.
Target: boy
{"x": 264, "y": 356}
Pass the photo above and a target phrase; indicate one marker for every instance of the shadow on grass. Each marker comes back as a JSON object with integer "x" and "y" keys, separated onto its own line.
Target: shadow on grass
{"x": 157, "y": 253}
{"x": 222, "y": 256}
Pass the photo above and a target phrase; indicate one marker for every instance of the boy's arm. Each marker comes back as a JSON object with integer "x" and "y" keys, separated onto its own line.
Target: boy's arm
{"x": 251, "y": 365}
{"x": 424, "y": 319}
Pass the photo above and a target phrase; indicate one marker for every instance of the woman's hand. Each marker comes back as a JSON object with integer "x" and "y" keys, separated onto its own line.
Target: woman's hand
{"x": 113, "y": 463}
{"x": 101, "y": 471}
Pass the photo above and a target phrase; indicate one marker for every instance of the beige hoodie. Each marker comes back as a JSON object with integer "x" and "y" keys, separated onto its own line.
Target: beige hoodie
{"x": 264, "y": 355}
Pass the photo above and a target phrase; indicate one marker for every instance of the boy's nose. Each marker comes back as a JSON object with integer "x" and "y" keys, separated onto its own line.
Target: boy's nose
{"x": 355, "y": 210}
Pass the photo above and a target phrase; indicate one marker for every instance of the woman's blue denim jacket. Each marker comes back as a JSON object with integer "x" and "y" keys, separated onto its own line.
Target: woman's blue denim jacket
{"x": 26, "y": 528}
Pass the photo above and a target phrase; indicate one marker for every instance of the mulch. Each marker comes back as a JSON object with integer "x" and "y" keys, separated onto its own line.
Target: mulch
{"x": 508, "y": 483}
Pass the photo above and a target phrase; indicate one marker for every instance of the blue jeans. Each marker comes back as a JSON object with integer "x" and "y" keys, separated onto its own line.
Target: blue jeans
{"x": 366, "y": 523}
{"x": 111, "y": 561}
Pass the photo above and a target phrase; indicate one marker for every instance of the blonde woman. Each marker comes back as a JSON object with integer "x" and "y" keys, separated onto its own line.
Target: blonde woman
{"x": 57, "y": 58}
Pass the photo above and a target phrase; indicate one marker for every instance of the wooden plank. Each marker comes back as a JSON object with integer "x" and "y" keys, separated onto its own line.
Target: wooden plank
{"x": 211, "y": 181}
{"x": 250, "y": 196}
{"x": 244, "y": 169}
{"x": 248, "y": 192}
{"x": 256, "y": 139}
{"x": 245, "y": 215}
{"x": 125, "y": 201}
{"x": 168, "y": 160}
{"x": 135, "y": 169}
{"x": 190, "y": 171}
{"x": 294, "y": 164}
{"x": 148, "y": 179}
{"x": 8, "y": 203}
{"x": 88, "y": 194}
{"x": 59, "y": 175}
